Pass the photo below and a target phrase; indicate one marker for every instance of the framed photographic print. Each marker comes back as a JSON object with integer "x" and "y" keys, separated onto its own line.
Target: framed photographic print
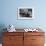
{"x": 25, "y": 13}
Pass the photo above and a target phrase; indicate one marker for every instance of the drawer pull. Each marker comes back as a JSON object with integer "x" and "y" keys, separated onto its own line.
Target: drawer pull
{"x": 33, "y": 39}
{"x": 10, "y": 38}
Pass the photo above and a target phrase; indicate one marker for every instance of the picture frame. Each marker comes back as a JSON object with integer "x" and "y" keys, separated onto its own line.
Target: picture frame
{"x": 25, "y": 13}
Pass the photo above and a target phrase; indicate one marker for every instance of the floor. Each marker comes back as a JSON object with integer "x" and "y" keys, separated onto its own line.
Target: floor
{"x": 0, "y": 44}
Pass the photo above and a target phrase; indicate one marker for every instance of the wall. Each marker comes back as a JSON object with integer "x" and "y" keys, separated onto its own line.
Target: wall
{"x": 8, "y": 13}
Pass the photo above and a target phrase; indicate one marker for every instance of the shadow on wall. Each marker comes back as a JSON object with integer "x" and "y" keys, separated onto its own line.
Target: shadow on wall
{"x": 2, "y": 26}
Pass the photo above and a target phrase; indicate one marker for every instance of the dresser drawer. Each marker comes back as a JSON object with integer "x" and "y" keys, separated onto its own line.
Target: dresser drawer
{"x": 34, "y": 33}
{"x": 12, "y": 39}
{"x": 37, "y": 39}
{"x": 27, "y": 41}
{"x": 13, "y": 33}
{"x": 37, "y": 44}
{"x": 13, "y": 44}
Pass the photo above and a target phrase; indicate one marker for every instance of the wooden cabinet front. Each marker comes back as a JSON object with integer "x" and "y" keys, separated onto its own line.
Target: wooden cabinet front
{"x": 34, "y": 39}
{"x": 27, "y": 40}
{"x": 23, "y": 39}
{"x": 13, "y": 39}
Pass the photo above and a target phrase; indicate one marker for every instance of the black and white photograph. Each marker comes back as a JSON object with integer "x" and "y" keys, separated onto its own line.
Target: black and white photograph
{"x": 25, "y": 13}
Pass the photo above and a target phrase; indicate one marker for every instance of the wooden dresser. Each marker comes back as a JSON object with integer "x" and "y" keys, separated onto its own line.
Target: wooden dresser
{"x": 23, "y": 39}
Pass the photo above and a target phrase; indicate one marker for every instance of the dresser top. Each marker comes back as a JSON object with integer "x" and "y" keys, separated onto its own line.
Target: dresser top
{"x": 22, "y": 30}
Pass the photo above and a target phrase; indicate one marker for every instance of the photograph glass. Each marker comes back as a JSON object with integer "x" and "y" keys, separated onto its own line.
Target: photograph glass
{"x": 25, "y": 13}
